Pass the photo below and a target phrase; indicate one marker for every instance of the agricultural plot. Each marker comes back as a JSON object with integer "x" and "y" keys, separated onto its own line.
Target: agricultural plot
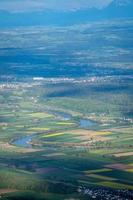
{"x": 55, "y": 151}
{"x": 64, "y": 138}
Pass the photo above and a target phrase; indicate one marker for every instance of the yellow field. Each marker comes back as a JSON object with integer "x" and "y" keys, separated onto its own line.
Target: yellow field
{"x": 39, "y": 129}
{"x": 103, "y": 132}
{"x": 52, "y": 135}
{"x": 118, "y": 155}
{"x": 65, "y": 123}
{"x": 129, "y": 170}
{"x": 19, "y": 126}
{"x": 101, "y": 177}
{"x": 40, "y": 115}
{"x": 98, "y": 170}
{"x": 115, "y": 185}
{"x": 131, "y": 164}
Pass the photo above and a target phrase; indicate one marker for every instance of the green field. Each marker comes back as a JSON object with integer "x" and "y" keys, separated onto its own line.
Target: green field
{"x": 64, "y": 158}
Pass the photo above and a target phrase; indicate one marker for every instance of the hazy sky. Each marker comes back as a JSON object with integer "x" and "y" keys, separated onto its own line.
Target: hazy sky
{"x": 36, "y": 5}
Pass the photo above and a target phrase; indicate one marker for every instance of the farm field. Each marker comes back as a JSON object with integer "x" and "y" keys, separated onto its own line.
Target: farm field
{"x": 66, "y": 119}
{"x": 41, "y": 149}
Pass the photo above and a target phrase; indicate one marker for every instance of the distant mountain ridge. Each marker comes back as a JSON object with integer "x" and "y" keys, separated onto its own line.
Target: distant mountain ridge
{"x": 119, "y": 4}
{"x": 116, "y": 9}
{"x": 122, "y": 2}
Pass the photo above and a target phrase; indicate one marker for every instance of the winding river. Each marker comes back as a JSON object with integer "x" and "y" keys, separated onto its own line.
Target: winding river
{"x": 26, "y": 141}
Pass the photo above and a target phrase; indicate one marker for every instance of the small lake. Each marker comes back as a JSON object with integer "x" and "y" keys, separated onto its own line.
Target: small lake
{"x": 86, "y": 123}
{"x": 24, "y": 142}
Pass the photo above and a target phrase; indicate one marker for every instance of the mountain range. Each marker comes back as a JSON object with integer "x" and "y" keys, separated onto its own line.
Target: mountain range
{"x": 115, "y": 10}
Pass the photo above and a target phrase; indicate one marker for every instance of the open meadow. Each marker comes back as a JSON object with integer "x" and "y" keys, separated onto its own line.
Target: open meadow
{"x": 67, "y": 133}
